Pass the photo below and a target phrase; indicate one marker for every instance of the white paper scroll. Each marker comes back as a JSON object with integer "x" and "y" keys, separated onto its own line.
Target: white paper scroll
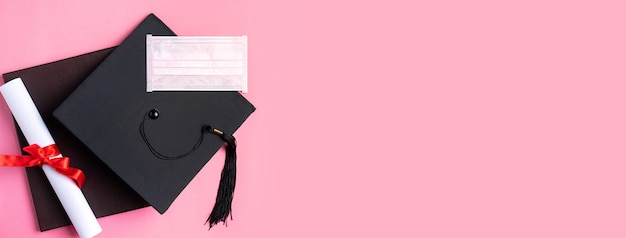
{"x": 36, "y": 132}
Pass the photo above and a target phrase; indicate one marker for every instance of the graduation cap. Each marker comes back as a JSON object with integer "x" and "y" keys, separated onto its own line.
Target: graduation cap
{"x": 49, "y": 84}
{"x": 156, "y": 142}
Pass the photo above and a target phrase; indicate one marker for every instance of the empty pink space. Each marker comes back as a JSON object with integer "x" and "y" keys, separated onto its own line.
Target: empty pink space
{"x": 378, "y": 118}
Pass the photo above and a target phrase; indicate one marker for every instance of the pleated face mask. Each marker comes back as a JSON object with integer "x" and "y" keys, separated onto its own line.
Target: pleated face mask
{"x": 196, "y": 63}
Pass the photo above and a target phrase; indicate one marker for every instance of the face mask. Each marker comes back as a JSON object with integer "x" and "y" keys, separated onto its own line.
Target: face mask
{"x": 197, "y": 63}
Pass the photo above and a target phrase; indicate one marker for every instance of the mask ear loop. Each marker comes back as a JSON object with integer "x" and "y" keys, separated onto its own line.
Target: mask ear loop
{"x": 223, "y": 202}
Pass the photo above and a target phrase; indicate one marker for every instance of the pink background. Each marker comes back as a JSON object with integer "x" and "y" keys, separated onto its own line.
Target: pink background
{"x": 379, "y": 118}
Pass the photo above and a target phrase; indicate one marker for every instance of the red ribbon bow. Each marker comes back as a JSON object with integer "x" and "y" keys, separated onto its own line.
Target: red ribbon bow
{"x": 40, "y": 156}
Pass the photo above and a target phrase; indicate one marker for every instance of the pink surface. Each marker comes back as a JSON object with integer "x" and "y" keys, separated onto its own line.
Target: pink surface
{"x": 379, "y": 118}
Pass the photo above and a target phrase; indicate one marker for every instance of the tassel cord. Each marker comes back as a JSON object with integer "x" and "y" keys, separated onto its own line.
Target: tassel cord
{"x": 223, "y": 201}
{"x": 162, "y": 156}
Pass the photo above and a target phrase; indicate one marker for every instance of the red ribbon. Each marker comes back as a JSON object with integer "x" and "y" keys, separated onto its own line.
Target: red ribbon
{"x": 40, "y": 156}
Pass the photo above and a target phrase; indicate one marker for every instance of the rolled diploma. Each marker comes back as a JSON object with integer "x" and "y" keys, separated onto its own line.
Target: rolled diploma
{"x": 28, "y": 118}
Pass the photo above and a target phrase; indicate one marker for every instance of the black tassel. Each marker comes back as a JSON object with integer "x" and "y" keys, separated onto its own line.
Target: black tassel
{"x": 224, "y": 200}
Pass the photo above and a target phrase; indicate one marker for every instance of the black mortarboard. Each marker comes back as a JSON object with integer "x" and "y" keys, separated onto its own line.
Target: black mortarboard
{"x": 156, "y": 142}
{"x": 49, "y": 84}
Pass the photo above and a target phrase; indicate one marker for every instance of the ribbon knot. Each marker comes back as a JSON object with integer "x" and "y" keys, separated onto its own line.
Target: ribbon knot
{"x": 46, "y": 155}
